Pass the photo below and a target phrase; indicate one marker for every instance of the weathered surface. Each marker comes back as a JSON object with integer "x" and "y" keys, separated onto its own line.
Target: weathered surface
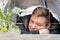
{"x": 18, "y": 36}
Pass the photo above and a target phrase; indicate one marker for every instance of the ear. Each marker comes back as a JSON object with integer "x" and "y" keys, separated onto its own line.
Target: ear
{"x": 48, "y": 26}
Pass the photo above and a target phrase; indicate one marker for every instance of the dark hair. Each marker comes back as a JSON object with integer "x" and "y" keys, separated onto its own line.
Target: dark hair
{"x": 42, "y": 12}
{"x": 25, "y": 22}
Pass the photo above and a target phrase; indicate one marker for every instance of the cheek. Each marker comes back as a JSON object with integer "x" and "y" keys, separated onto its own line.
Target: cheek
{"x": 30, "y": 25}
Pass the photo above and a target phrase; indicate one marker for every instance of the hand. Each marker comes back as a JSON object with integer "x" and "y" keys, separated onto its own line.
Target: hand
{"x": 44, "y": 31}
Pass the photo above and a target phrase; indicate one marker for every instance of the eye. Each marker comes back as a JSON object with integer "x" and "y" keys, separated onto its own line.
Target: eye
{"x": 31, "y": 21}
{"x": 40, "y": 25}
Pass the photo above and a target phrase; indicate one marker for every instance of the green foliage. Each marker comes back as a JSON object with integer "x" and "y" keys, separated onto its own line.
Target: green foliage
{"x": 5, "y": 20}
{"x": 2, "y": 16}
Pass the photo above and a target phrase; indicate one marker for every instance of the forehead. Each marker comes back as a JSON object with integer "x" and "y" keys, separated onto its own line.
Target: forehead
{"x": 38, "y": 19}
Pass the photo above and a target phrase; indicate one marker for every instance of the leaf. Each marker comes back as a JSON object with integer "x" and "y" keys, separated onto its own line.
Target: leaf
{"x": 2, "y": 16}
{"x": 16, "y": 10}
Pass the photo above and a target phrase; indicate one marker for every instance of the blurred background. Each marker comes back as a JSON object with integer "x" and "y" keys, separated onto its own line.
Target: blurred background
{"x": 53, "y": 5}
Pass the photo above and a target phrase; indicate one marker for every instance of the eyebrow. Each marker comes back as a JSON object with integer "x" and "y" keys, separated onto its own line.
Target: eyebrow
{"x": 40, "y": 23}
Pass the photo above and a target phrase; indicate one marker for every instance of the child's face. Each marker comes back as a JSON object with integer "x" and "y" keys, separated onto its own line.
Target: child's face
{"x": 37, "y": 23}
